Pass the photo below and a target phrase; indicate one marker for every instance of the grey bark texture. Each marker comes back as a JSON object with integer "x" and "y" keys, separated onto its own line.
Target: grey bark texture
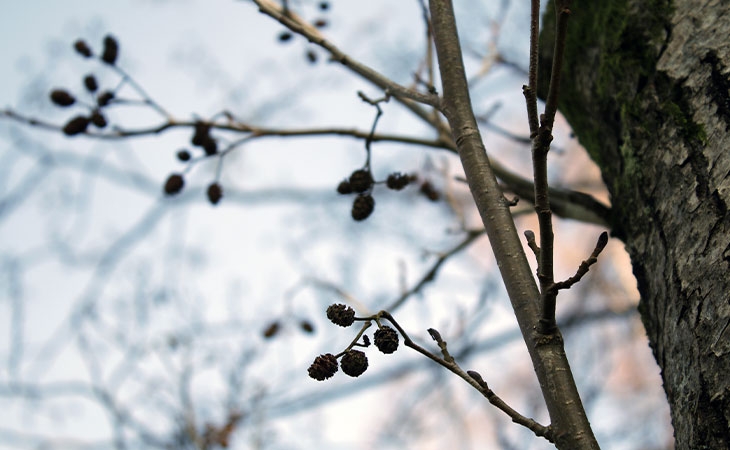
{"x": 647, "y": 90}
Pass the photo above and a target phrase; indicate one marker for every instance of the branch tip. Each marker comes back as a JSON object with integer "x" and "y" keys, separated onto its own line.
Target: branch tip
{"x": 435, "y": 335}
{"x": 602, "y": 241}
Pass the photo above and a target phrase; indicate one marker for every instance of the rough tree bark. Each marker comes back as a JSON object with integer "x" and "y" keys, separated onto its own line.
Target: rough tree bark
{"x": 646, "y": 90}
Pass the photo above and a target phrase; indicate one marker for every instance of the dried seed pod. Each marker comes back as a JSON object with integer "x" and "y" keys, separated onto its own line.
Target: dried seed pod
{"x": 201, "y": 134}
{"x": 98, "y": 119}
{"x": 397, "y": 181}
{"x": 341, "y": 315}
{"x": 285, "y": 36}
{"x": 323, "y": 367}
{"x": 210, "y": 146}
{"x": 386, "y": 339}
{"x": 320, "y": 23}
{"x": 90, "y": 83}
{"x": 361, "y": 180}
{"x": 362, "y": 207}
{"x": 82, "y": 48}
{"x": 311, "y": 56}
{"x": 105, "y": 98}
{"x": 344, "y": 187}
{"x": 62, "y": 97}
{"x": 272, "y": 330}
{"x": 354, "y": 363}
{"x": 183, "y": 155}
{"x": 324, "y": 6}
{"x": 429, "y": 191}
{"x": 75, "y": 126}
{"x": 306, "y": 326}
{"x": 111, "y": 50}
{"x": 214, "y": 193}
{"x": 174, "y": 184}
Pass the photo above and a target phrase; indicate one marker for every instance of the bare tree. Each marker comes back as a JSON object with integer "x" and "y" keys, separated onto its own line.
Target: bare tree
{"x": 455, "y": 126}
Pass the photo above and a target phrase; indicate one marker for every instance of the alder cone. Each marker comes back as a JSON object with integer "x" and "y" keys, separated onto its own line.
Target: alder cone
{"x": 430, "y": 191}
{"x": 210, "y": 146}
{"x": 271, "y": 330}
{"x": 62, "y": 97}
{"x": 75, "y": 126}
{"x": 184, "y": 155}
{"x": 341, "y": 315}
{"x": 344, "y": 188}
{"x": 362, "y": 207}
{"x": 354, "y": 363}
{"x": 201, "y": 134}
{"x": 361, "y": 180}
{"x": 111, "y": 50}
{"x": 105, "y": 98}
{"x": 214, "y": 193}
{"x": 90, "y": 83}
{"x": 98, "y": 119}
{"x": 386, "y": 339}
{"x": 323, "y": 367}
{"x": 397, "y": 181}
{"x": 306, "y": 326}
{"x": 82, "y": 48}
{"x": 174, "y": 184}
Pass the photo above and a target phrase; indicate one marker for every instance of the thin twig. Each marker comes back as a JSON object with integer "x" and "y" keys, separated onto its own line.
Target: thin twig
{"x": 473, "y": 378}
{"x": 378, "y": 114}
{"x": 301, "y": 27}
{"x": 147, "y": 99}
{"x": 530, "y": 91}
{"x": 121, "y": 133}
{"x": 430, "y": 275}
{"x": 585, "y": 265}
{"x": 494, "y": 399}
{"x": 542, "y": 138}
{"x": 562, "y": 10}
{"x": 354, "y": 342}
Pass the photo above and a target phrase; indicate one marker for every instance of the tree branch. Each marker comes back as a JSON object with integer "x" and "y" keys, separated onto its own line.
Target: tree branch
{"x": 569, "y": 421}
{"x": 473, "y": 378}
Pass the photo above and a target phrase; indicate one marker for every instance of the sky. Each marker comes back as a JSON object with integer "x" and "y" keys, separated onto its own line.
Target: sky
{"x": 109, "y": 283}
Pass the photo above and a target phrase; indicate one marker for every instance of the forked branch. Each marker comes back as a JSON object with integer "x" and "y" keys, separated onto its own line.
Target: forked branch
{"x": 569, "y": 422}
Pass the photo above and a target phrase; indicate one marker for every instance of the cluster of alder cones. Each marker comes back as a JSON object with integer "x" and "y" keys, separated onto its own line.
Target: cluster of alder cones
{"x": 361, "y": 183}
{"x": 78, "y": 124}
{"x": 353, "y": 362}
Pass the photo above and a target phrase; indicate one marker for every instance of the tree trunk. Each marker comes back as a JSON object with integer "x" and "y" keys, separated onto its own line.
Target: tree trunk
{"x": 646, "y": 88}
